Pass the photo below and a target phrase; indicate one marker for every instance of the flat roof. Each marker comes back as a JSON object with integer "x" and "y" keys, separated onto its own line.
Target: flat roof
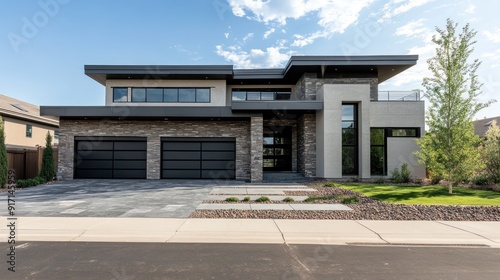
{"x": 382, "y": 67}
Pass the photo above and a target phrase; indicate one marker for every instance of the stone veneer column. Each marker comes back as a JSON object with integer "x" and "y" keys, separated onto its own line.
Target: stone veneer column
{"x": 256, "y": 140}
{"x": 307, "y": 145}
{"x": 153, "y": 158}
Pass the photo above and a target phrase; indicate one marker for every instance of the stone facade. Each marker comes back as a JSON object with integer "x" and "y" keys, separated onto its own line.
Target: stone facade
{"x": 306, "y": 145}
{"x": 256, "y": 147}
{"x": 154, "y": 130}
{"x": 309, "y": 83}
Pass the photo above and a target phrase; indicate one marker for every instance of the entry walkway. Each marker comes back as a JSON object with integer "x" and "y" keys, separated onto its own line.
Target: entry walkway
{"x": 91, "y": 229}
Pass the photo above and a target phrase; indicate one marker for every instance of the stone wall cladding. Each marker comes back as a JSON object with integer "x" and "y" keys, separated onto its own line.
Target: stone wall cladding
{"x": 306, "y": 145}
{"x": 154, "y": 130}
{"x": 277, "y": 122}
{"x": 309, "y": 83}
{"x": 257, "y": 140}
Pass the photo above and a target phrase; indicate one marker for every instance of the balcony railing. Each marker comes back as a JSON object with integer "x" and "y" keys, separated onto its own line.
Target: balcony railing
{"x": 413, "y": 95}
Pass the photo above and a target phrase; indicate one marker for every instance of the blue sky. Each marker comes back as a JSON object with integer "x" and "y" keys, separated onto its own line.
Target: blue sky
{"x": 45, "y": 44}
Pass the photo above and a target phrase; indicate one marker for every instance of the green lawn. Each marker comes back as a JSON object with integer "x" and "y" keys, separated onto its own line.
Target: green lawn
{"x": 425, "y": 194}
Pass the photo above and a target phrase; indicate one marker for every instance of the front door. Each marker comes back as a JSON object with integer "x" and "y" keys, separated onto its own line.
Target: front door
{"x": 277, "y": 151}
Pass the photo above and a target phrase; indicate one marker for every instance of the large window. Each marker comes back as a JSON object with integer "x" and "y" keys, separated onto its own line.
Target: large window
{"x": 258, "y": 94}
{"x": 163, "y": 95}
{"x": 378, "y": 152}
{"x": 29, "y": 130}
{"x": 120, "y": 94}
{"x": 349, "y": 139}
{"x": 404, "y": 132}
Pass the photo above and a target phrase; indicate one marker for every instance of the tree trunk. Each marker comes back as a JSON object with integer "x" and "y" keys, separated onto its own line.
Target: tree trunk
{"x": 450, "y": 188}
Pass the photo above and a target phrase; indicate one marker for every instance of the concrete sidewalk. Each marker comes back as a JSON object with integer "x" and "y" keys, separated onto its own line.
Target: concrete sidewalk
{"x": 94, "y": 229}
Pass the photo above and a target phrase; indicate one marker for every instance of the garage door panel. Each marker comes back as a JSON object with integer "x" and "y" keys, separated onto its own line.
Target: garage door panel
{"x": 94, "y": 174}
{"x": 181, "y": 174}
{"x": 94, "y": 146}
{"x": 130, "y": 146}
{"x": 184, "y": 146}
{"x": 218, "y": 146}
{"x": 95, "y": 164}
{"x": 129, "y": 164}
{"x": 111, "y": 158}
{"x": 92, "y": 155}
{"x": 169, "y": 164}
{"x": 218, "y": 164}
{"x": 218, "y": 155}
{"x": 198, "y": 158}
{"x": 137, "y": 155}
{"x": 217, "y": 174}
{"x": 129, "y": 174}
{"x": 174, "y": 155}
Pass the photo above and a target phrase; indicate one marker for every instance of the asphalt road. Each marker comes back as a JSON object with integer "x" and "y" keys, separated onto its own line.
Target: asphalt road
{"x": 130, "y": 261}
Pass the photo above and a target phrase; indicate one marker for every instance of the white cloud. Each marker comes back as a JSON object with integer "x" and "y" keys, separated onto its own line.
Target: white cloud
{"x": 271, "y": 57}
{"x": 335, "y": 16}
{"x": 226, "y": 35}
{"x": 397, "y": 7}
{"x": 269, "y": 32}
{"x": 470, "y": 9}
{"x": 493, "y": 36}
{"x": 247, "y": 37}
{"x": 412, "y": 29}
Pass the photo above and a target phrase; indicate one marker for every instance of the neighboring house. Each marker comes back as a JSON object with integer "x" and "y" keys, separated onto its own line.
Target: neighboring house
{"x": 481, "y": 126}
{"x": 320, "y": 116}
{"x": 24, "y": 127}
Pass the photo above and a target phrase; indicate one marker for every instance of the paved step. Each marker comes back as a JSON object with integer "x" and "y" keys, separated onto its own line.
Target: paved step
{"x": 266, "y": 191}
{"x": 254, "y": 197}
{"x": 257, "y": 206}
{"x": 272, "y": 186}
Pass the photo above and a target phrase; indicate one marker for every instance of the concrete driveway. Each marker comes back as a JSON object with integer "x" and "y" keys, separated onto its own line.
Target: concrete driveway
{"x": 113, "y": 198}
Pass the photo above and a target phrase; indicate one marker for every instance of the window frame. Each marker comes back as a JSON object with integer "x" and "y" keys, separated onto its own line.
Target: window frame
{"x": 274, "y": 91}
{"x": 126, "y": 95}
{"x": 177, "y": 89}
{"x": 29, "y": 131}
{"x": 355, "y": 145}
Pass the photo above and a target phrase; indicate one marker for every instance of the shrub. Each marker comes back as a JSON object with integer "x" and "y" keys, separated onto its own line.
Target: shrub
{"x": 48, "y": 170}
{"x": 4, "y": 167}
{"x": 403, "y": 176}
{"x": 232, "y": 199}
{"x": 380, "y": 180}
{"x": 30, "y": 182}
{"x": 246, "y": 198}
{"x": 288, "y": 199}
{"x": 349, "y": 200}
{"x": 330, "y": 185}
{"x": 262, "y": 199}
{"x": 481, "y": 180}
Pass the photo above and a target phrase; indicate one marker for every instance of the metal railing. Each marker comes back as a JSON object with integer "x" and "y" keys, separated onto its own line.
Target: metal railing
{"x": 413, "y": 95}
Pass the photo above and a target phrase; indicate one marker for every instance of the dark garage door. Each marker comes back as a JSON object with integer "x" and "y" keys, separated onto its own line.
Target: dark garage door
{"x": 110, "y": 158}
{"x": 198, "y": 158}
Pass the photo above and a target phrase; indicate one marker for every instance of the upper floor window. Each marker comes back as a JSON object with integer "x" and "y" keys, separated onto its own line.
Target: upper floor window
{"x": 404, "y": 132}
{"x": 260, "y": 94}
{"x": 56, "y": 134}
{"x": 169, "y": 95}
{"x": 120, "y": 94}
{"x": 29, "y": 130}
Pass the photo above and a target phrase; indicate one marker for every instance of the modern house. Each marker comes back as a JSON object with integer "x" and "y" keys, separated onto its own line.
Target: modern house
{"x": 320, "y": 116}
{"x": 25, "y": 129}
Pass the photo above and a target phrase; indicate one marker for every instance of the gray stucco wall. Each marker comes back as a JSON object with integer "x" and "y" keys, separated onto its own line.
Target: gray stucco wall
{"x": 154, "y": 130}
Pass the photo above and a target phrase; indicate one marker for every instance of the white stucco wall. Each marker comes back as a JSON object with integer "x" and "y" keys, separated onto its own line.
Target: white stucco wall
{"x": 400, "y": 150}
{"x": 217, "y": 89}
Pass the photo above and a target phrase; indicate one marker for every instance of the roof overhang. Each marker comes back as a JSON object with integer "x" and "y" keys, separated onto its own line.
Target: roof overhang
{"x": 140, "y": 112}
{"x": 382, "y": 67}
{"x": 101, "y": 73}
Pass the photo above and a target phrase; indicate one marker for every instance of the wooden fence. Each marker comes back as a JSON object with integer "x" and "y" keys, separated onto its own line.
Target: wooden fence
{"x": 27, "y": 163}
